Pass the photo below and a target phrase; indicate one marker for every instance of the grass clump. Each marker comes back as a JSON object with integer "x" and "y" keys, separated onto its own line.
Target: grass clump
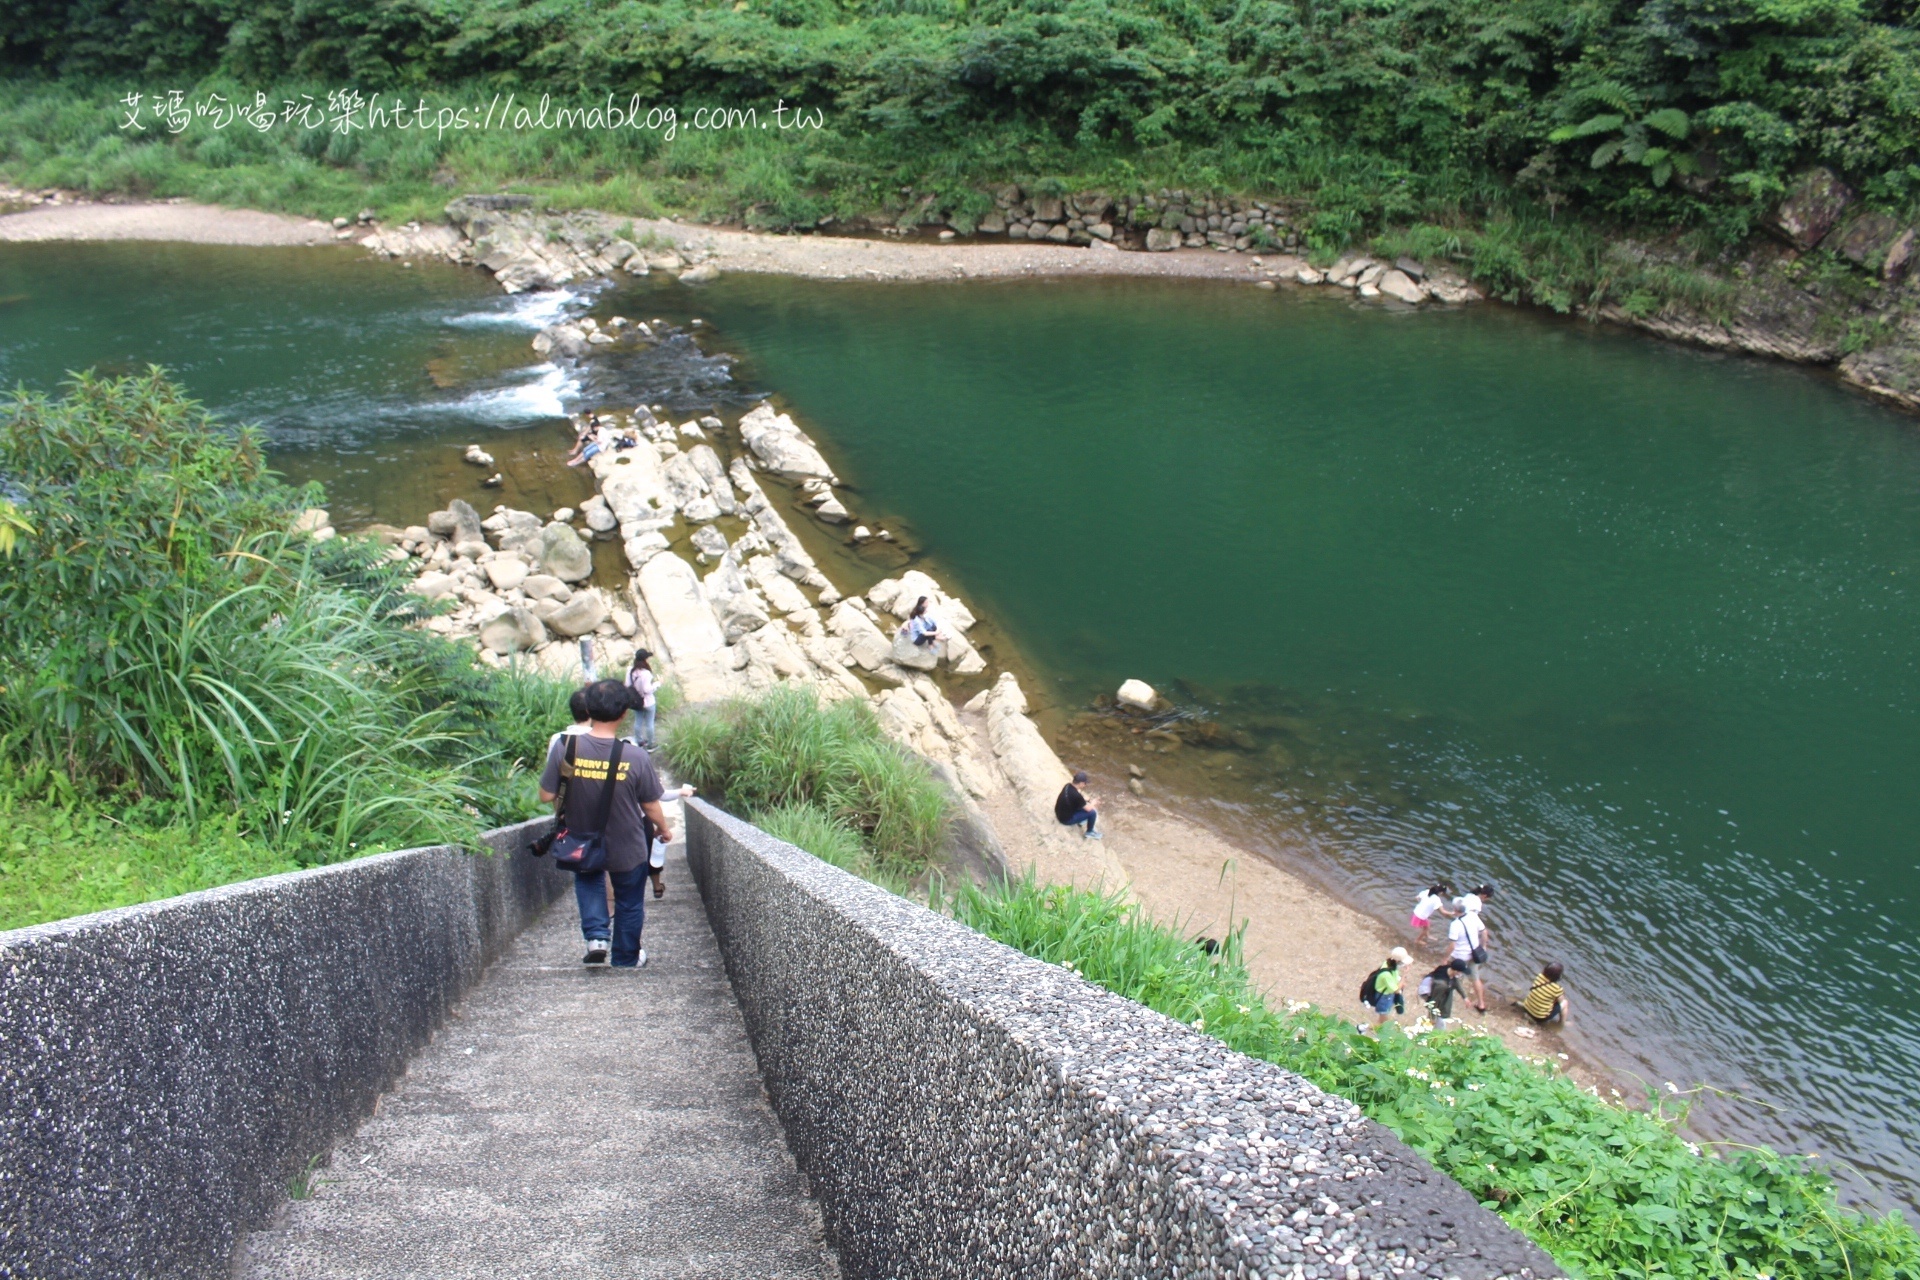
{"x": 205, "y": 695}
{"x": 822, "y": 776}
{"x": 1606, "y": 1190}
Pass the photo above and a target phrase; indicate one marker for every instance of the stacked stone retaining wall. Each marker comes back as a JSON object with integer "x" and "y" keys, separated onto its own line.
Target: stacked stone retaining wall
{"x": 965, "y": 1110}
{"x": 167, "y": 1071}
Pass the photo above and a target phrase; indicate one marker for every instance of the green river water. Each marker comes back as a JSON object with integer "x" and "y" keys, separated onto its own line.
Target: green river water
{"x": 1624, "y": 627}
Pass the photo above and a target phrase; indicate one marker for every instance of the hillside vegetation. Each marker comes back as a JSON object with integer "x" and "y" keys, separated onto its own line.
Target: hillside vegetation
{"x": 1561, "y": 120}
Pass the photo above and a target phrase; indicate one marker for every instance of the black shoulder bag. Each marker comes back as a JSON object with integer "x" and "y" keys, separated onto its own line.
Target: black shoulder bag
{"x": 585, "y": 852}
{"x": 538, "y": 848}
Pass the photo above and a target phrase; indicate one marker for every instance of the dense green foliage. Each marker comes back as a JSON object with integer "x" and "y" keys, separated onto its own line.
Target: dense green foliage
{"x": 1607, "y": 1190}
{"x": 1654, "y": 113}
{"x": 823, "y": 776}
{"x": 173, "y": 659}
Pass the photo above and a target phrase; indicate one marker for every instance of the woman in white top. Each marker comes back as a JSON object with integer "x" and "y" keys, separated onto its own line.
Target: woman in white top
{"x": 643, "y": 686}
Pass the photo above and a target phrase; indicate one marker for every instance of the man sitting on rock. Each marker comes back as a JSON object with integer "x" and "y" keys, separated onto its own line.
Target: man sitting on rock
{"x": 1074, "y": 809}
{"x": 637, "y": 793}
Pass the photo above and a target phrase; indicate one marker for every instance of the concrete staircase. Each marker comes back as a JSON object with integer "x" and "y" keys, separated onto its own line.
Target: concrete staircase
{"x": 568, "y": 1121}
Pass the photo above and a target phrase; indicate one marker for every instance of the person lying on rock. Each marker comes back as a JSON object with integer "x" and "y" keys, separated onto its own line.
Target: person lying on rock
{"x": 636, "y": 803}
{"x": 1074, "y": 809}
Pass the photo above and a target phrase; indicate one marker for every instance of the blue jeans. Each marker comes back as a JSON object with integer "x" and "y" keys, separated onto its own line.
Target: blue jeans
{"x": 643, "y": 725}
{"x": 629, "y": 911}
{"x": 1081, "y": 817}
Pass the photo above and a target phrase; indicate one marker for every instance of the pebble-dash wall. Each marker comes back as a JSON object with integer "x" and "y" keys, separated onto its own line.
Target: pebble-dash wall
{"x": 966, "y": 1111}
{"x": 167, "y": 1070}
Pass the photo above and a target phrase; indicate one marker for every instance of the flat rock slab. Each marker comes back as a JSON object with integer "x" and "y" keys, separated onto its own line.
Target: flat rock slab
{"x": 569, "y": 1121}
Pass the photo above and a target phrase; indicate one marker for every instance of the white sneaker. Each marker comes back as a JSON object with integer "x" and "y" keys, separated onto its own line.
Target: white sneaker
{"x": 596, "y": 951}
{"x": 1095, "y": 835}
{"x": 641, "y": 963}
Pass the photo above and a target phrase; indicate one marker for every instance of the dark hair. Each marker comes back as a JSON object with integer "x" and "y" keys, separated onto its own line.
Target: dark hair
{"x": 1442, "y": 887}
{"x": 607, "y": 701}
{"x": 640, "y": 657}
{"x": 577, "y": 705}
{"x": 1482, "y": 891}
{"x": 1552, "y": 972}
{"x": 1458, "y": 966}
{"x": 1079, "y": 775}
{"x": 920, "y": 607}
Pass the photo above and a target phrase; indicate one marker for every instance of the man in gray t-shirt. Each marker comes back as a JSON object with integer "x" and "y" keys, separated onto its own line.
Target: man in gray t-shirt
{"x": 636, "y": 796}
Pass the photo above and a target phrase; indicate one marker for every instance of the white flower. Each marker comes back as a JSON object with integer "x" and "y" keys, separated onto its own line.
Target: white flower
{"x": 1672, "y": 1087}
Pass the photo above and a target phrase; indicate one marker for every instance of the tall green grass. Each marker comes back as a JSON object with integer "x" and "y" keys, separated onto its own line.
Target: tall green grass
{"x": 1608, "y": 1191}
{"x": 822, "y": 771}
{"x": 173, "y": 660}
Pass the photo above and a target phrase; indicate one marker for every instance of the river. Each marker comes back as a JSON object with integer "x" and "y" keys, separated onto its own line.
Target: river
{"x": 1623, "y": 627}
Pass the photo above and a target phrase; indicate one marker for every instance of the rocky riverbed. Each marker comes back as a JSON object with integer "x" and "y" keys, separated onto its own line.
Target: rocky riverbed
{"x": 729, "y": 600}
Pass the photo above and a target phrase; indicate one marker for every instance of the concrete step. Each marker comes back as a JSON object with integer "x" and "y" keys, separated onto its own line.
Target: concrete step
{"x": 568, "y": 1121}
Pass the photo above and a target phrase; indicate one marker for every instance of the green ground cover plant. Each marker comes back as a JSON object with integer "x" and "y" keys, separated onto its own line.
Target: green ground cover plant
{"x": 821, "y": 775}
{"x": 198, "y": 690}
{"x": 1607, "y": 1190}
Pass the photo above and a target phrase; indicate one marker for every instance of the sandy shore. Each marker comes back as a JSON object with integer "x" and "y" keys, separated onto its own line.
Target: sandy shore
{"x": 169, "y": 220}
{"x": 816, "y": 257}
{"x": 1302, "y": 943}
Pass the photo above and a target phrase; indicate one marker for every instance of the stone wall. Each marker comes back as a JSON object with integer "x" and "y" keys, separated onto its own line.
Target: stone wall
{"x": 965, "y": 1110}
{"x": 168, "y": 1070}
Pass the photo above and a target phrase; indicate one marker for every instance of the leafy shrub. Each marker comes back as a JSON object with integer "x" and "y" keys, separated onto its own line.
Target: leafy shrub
{"x": 1606, "y": 1190}
{"x": 167, "y": 645}
{"x": 783, "y": 751}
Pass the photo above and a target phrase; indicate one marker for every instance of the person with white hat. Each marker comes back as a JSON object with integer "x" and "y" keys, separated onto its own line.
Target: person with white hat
{"x": 1469, "y": 937}
{"x": 1381, "y": 991}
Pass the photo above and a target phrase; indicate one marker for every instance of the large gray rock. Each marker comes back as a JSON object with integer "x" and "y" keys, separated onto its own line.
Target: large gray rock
{"x": 919, "y": 657}
{"x": 514, "y": 631}
{"x": 580, "y": 615}
{"x": 866, "y": 644}
{"x": 600, "y": 517}
{"x": 506, "y": 572}
{"x": 782, "y": 447}
{"x": 563, "y": 554}
{"x": 466, "y": 523}
{"x": 1811, "y": 208}
{"x": 433, "y": 584}
{"x": 544, "y": 586}
{"x": 1877, "y": 242}
{"x": 1162, "y": 240}
{"x": 709, "y": 542}
{"x": 714, "y": 472}
{"x": 1398, "y": 285}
